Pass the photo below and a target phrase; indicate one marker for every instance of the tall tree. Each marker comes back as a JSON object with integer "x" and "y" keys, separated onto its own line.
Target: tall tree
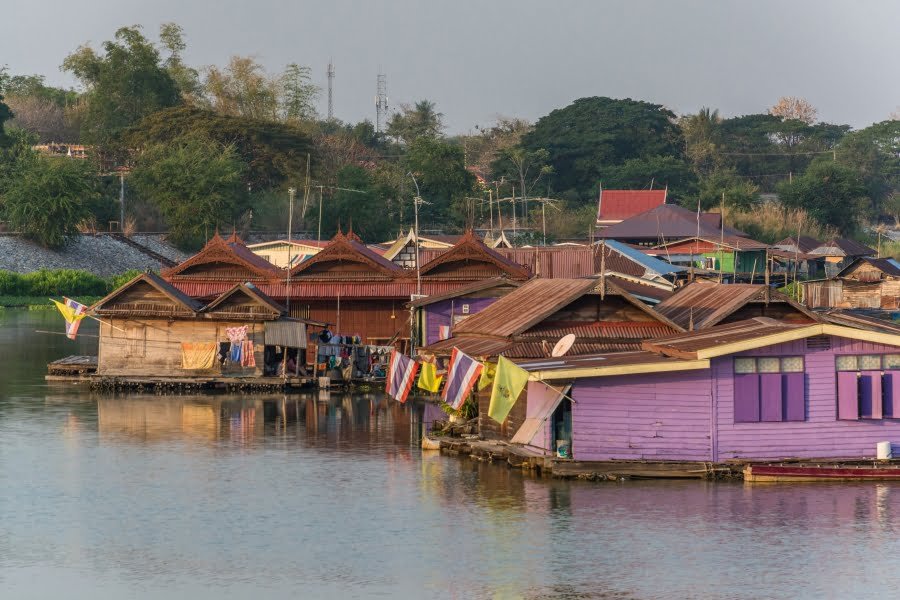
{"x": 591, "y": 135}
{"x": 242, "y": 89}
{"x": 794, "y": 108}
{"x": 421, "y": 120}
{"x": 5, "y": 115}
{"x": 702, "y": 140}
{"x": 196, "y": 183}
{"x": 123, "y": 84}
{"x": 875, "y": 153}
{"x": 171, "y": 36}
{"x": 298, "y": 94}
{"x": 444, "y": 182}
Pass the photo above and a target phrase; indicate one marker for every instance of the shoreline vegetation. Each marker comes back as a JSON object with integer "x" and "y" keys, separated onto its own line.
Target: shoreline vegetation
{"x": 33, "y": 290}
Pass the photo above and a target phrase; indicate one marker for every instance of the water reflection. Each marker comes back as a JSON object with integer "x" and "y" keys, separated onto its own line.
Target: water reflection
{"x": 328, "y": 495}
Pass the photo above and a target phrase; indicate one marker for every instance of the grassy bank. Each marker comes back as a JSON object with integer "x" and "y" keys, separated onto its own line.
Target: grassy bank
{"x": 34, "y": 290}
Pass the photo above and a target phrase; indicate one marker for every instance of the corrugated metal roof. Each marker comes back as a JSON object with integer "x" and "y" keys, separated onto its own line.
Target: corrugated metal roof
{"x": 666, "y": 222}
{"x": 637, "y": 330}
{"x": 860, "y": 321}
{"x": 286, "y": 332}
{"x": 648, "y": 291}
{"x": 843, "y": 247}
{"x": 465, "y": 289}
{"x": 705, "y": 244}
{"x": 650, "y": 263}
{"x": 299, "y": 290}
{"x": 479, "y": 346}
{"x": 595, "y": 360}
{"x": 887, "y": 266}
{"x": 617, "y": 205}
{"x": 172, "y": 292}
{"x": 807, "y": 244}
{"x": 686, "y": 344}
{"x": 526, "y": 306}
{"x": 706, "y": 303}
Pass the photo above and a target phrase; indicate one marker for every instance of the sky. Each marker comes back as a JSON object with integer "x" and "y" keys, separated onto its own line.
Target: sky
{"x": 479, "y": 60}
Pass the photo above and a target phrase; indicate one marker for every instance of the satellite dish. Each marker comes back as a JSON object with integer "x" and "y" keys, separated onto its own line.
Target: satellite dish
{"x": 563, "y": 345}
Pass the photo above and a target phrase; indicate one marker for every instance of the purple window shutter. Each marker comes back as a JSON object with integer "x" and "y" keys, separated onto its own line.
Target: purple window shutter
{"x": 891, "y": 385}
{"x": 870, "y": 395}
{"x": 770, "y": 397}
{"x": 794, "y": 397}
{"x": 746, "y": 398}
{"x": 848, "y": 395}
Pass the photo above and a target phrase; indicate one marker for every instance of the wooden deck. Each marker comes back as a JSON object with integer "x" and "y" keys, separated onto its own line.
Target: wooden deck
{"x": 72, "y": 368}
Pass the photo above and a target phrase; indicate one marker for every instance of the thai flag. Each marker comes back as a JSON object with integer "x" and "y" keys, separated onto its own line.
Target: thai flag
{"x": 462, "y": 375}
{"x": 401, "y": 376}
{"x": 443, "y": 332}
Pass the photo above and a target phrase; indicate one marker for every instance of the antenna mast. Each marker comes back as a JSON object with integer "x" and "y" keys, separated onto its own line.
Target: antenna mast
{"x": 330, "y": 90}
{"x": 381, "y": 103}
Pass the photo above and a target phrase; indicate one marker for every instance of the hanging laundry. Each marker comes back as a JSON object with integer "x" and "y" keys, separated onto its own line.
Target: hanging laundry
{"x": 224, "y": 348}
{"x": 247, "y": 357}
{"x": 236, "y": 352}
{"x": 198, "y": 355}
{"x": 237, "y": 334}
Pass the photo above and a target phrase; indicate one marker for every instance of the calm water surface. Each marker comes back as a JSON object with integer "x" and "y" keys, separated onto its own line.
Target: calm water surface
{"x": 111, "y": 497}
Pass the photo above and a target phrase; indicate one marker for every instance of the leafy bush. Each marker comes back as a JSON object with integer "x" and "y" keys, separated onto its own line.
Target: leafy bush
{"x": 18, "y": 289}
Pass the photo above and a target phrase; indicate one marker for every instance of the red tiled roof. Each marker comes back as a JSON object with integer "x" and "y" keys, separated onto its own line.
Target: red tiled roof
{"x": 618, "y": 205}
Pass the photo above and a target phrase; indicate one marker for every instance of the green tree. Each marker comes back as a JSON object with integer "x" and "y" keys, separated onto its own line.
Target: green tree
{"x": 421, "y": 120}
{"x": 739, "y": 192}
{"x": 702, "y": 140}
{"x": 527, "y": 167}
{"x": 298, "y": 94}
{"x": 196, "y": 183}
{"x": 657, "y": 171}
{"x": 123, "y": 84}
{"x": 832, "y": 193}
{"x": 444, "y": 182}
{"x": 593, "y": 135}
{"x": 5, "y": 115}
{"x": 274, "y": 152}
{"x": 47, "y": 198}
{"x": 875, "y": 153}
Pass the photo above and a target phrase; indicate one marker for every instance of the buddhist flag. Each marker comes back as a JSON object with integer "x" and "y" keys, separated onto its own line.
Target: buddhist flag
{"x": 508, "y": 384}
{"x": 73, "y": 312}
{"x": 428, "y": 378}
{"x": 401, "y": 376}
{"x": 487, "y": 375}
{"x": 462, "y": 375}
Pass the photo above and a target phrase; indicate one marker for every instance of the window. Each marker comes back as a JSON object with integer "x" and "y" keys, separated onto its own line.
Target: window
{"x": 709, "y": 262}
{"x": 769, "y": 389}
{"x": 868, "y": 386}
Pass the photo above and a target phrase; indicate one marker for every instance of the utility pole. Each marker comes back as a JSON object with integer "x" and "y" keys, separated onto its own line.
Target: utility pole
{"x": 381, "y": 103}
{"x": 330, "y": 90}
{"x": 291, "y": 192}
{"x": 416, "y": 201}
{"x": 122, "y": 201}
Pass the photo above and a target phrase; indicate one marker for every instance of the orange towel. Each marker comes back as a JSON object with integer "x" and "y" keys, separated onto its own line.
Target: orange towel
{"x": 198, "y": 355}
{"x": 247, "y": 358}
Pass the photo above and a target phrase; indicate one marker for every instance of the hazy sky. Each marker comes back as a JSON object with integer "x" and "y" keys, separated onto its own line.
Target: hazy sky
{"x": 478, "y": 60}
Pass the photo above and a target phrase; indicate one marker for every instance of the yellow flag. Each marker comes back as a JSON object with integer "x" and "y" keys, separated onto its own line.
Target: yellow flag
{"x": 428, "y": 378}
{"x": 508, "y": 384}
{"x": 68, "y": 312}
{"x": 487, "y": 375}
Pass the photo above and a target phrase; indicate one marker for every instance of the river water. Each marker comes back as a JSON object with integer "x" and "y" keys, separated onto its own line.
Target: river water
{"x": 212, "y": 497}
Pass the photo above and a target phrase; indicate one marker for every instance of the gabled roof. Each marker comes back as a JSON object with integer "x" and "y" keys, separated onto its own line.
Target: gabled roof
{"x": 732, "y": 242}
{"x": 806, "y": 244}
{"x": 233, "y": 251}
{"x": 300, "y": 243}
{"x": 666, "y": 222}
{"x": 652, "y": 265}
{"x": 348, "y": 247}
{"x": 843, "y": 247}
{"x": 252, "y": 292}
{"x": 649, "y": 291}
{"x": 187, "y": 304}
{"x": 859, "y": 320}
{"x": 618, "y": 205}
{"x": 537, "y": 300}
{"x": 754, "y": 333}
{"x": 477, "y": 286}
{"x": 706, "y": 303}
{"x": 470, "y": 248}
{"x": 888, "y": 266}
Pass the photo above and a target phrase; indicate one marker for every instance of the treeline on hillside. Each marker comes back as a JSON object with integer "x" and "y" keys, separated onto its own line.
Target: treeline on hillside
{"x": 220, "y": 146}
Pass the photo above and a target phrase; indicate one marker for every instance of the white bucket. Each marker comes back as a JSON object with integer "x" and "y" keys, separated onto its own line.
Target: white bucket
{"x": 883, "y": 450}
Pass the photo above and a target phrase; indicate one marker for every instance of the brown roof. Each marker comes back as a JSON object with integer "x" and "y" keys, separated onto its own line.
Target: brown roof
{"x": 470, "y": 248}
{"x": 251, "y": 291}
{"x": 666, "y": 222}
{"x": 526, "y": 306}
{"x": 730, "y": 241}
{"x": 843, "y": 247}
{"x": 888, "y": 266}
{"x": 859, "y": 321}
{"x": 477, "y": 286}
{"x": 642, "y": 290}
{"x": 568, "y": 361}
{"x": 806, "y": 243}
{"x": 348, "y": 247}
{"x": 706, "y": 303}
{"x": 232, "y": 251}
{"x": 187, "y": 303}
{"x": 686, "y": 345}
{"x": 480, "y": 346}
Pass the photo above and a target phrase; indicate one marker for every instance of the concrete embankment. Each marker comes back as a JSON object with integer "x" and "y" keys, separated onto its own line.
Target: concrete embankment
{"x": 101, "y": 254}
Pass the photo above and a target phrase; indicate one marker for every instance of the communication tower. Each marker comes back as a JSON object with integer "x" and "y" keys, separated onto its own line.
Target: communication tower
{"x": 381, "y": 103}
{"x": 330, "y": 90}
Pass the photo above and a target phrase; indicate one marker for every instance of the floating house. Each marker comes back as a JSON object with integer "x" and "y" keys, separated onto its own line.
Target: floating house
{"x": 151, "y": 329}
{"x": 840, "y": 252}
{"x": 758, "y": 389}
{"x": 866, "y": 283}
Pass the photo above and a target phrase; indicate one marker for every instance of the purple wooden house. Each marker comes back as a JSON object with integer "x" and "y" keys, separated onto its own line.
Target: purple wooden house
{"x": 755, "y": 389}
{"x": 435, "y": 316}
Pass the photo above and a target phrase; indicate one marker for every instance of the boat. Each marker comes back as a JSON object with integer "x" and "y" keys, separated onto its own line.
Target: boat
{"x": 429, "y": 443}
{"x": 863, "y": 471}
